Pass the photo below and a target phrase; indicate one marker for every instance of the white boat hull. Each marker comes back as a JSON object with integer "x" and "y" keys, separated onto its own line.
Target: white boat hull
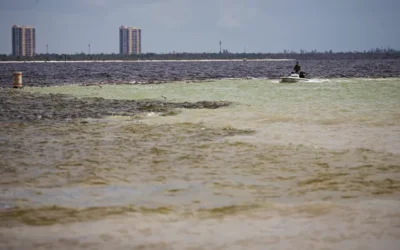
{"x": 293, "y": 78}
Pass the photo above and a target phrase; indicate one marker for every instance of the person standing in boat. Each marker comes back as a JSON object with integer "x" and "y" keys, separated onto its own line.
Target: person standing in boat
{"x": 297, "y": 68}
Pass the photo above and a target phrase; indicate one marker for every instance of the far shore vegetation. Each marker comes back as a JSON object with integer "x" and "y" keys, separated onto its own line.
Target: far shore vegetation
{"x": 378, "y": 53}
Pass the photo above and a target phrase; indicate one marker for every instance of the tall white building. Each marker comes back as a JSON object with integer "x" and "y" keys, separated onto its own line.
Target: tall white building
{"x": 23, "y": 41}
{"x": 130, "y": 40}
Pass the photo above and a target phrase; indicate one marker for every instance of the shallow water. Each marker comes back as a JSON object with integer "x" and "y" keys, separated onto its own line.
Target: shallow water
{"x": 307, "y": 166}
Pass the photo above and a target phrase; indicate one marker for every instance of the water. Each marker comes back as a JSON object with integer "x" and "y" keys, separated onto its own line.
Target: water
{"x": 50, "y": 74}
{"x": 288, "y": 166}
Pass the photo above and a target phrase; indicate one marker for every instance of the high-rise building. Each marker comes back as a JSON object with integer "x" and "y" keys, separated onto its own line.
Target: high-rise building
{"x": 23, "y": 41}
{"x": 130, "y": 40}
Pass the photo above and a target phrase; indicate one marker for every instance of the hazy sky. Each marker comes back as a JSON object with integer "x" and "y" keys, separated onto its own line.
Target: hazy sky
{"x": 68, "y": 26}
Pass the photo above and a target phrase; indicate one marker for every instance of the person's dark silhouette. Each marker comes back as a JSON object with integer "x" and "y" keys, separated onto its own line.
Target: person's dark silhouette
{"x": 297, "y": 68}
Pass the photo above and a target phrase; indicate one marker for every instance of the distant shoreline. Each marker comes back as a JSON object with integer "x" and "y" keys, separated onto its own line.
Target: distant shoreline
{"x": 140, "y": 61}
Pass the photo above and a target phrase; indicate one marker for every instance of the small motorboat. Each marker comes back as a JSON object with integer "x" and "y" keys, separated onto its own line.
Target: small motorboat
{"x": 294, "y": 77}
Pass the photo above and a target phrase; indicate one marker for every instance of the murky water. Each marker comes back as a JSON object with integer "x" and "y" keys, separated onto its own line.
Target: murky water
{"x": 288, "y": 166}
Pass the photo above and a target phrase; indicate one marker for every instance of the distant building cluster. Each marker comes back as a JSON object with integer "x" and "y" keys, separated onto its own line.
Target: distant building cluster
{"x": 24, "y": 40}
{"x": 130, "y": 40}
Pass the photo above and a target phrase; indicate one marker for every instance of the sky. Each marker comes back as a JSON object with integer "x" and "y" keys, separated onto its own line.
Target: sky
{"x": 258, "y": 26}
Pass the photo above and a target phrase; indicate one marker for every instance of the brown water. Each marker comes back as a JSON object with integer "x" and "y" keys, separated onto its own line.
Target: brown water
{"x": 300, "y": 166}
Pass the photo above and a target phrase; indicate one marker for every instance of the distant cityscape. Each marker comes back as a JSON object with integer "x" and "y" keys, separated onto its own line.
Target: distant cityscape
{"x": 24, "y": 41}
{"x": 130, "y": 48}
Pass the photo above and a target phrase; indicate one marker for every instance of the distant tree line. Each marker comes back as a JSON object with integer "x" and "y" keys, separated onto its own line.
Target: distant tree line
{"x": 377, "y": 53}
